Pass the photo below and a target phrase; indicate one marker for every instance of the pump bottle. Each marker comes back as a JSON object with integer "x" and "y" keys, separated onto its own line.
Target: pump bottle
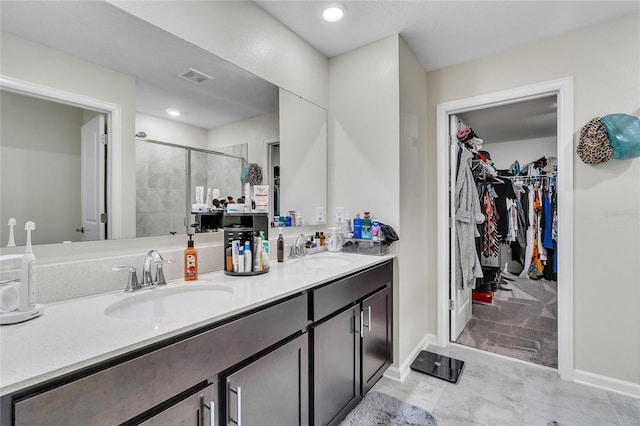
{"x": 190, "y": 261}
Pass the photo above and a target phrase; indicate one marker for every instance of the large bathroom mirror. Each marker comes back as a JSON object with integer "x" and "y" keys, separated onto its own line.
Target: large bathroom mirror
{"x": 95, "y": 51}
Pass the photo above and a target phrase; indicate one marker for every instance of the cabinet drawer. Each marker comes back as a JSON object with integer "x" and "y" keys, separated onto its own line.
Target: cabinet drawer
{"x": 121, "y": 392}
{"x": 336, "y": 295}
{"x": 196, "y": 410}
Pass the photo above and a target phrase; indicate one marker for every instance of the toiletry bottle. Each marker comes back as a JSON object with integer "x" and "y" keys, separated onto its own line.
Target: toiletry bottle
{"x": 348, "y": 229}
{"x": 241, "y": 259}
{"x": 375, "y": 230}
{"x": 28, "y": 274}
{"x": 235, "y": 251}
{"x": 280, "y": 246}
{"x": 357, "y": 226}
{"x": 248, "y": 259}
{"x": 228, "y": 259}
{"x": 257, "y": 249}
{"x": 264, "y": 253}
{"x": 323, "y": 239}
{"x": 366, "y": 226}
{"x": 190, "y": 261}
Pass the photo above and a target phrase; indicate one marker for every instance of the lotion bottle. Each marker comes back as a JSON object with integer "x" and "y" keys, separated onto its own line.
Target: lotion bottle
{"x": 190, "y": 261}
{"x": 28, "y": 274}
{"x": 248, "y": 260}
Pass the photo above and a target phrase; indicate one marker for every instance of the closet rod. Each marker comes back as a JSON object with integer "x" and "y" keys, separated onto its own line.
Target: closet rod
{"x": 529, "y": 177}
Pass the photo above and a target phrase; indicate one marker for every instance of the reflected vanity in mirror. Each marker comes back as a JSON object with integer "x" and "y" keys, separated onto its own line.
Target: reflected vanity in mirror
{"x": 100, "y": 54}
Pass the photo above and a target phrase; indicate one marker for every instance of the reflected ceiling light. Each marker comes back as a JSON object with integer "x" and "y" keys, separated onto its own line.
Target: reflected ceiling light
{"x": 173, "y": 112}
{"x": 333, "y": 13}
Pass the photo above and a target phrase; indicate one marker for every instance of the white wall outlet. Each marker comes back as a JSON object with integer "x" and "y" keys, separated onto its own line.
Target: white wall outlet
{"x": 320, "y": 216}
{"x": 339, "y": 215}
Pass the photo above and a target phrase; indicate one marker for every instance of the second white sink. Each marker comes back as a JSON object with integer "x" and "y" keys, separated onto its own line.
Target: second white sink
{"x": 170, "y": 302}
{"x": 325, "y": 261}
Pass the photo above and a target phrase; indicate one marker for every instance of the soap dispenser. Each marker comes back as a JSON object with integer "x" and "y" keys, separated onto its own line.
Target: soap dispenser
{"x": 190, "y": 261}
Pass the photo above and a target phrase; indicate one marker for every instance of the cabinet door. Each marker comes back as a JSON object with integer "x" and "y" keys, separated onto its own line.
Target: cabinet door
{"x": 336, "y": 366}
{"x": 377, "y": 349}
{"x": 196, "y": 410}
{"x": 273, "y": 390}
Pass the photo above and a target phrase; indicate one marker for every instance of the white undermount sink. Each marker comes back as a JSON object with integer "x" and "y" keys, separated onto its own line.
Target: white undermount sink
{"x": 170, "y": 302}
{"x": 325, "y": 261}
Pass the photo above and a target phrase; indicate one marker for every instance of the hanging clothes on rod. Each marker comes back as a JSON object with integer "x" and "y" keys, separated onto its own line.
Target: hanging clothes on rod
{"x": 467, "y": 216}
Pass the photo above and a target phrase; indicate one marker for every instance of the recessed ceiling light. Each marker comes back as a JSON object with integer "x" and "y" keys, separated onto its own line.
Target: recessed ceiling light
{"x": 173, "y": 112}
{"x": 333, "y": 13}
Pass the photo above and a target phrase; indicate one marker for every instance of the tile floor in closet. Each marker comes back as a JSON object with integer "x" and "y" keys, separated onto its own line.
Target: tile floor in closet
{"x": 498, "y": 391}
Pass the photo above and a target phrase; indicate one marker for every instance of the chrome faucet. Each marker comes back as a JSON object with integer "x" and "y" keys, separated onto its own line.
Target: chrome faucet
{"x": 150, "y": 258}
{"x": 147, "y": 281}
{"x": 297, "y": 249}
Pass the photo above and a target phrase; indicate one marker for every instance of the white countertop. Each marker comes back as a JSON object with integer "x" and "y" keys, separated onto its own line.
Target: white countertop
{"x": 77, "y": 333}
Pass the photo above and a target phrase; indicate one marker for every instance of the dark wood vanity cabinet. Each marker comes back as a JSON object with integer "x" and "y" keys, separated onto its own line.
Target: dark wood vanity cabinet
{"x": 352, "y": 346}
{"x": 137, "y": 386}
{"x": 377, "y": 345}
{"x": 305, "y": 359}
{"x": 272, "y": 390}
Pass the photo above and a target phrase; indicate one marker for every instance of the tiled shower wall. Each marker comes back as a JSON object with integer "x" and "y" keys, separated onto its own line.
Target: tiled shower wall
{"x": 216, "y": 171}
{"x": 161, "y": 183}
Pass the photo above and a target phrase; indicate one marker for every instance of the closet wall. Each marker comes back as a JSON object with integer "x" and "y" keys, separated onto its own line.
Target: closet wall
{"x": 523, "y": 150}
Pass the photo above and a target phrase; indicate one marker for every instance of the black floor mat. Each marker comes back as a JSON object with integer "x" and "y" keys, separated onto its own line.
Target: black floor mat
{"x": 440, "y": 366}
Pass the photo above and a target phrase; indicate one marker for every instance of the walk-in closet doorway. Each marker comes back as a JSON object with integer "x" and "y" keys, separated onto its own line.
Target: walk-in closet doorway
{"x": 455, "y": 298}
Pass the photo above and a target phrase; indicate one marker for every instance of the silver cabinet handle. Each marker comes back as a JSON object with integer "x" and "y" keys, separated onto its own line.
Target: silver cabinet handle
{"x": 238, "y": 392}
{"x": 368, "y": 309}
{"x": 212, "y": 410}
{"x": 361, "y": 324}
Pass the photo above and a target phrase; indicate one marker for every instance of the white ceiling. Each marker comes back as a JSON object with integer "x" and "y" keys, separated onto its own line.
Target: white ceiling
{"x": 442, "y": 33}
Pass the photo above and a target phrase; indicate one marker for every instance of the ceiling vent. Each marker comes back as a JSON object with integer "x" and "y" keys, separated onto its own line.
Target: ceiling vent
{"x": 195, "y": 76}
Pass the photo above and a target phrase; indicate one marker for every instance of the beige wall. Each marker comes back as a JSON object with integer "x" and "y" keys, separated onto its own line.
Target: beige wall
{"x": 40, "y": 168}
{"x": 413, "y": 294}
{"x": 165, "y": 130}
{"x": 364, "y": 129}
{"x": 503, "y": 154}
{"x": 605, "y": 63}
{"x": 35, "y": 63}
{"x": 253, "y": 131}
{"x": 246, "y": 35}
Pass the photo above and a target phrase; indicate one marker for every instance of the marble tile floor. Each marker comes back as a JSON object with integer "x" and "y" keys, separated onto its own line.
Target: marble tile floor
{"x": 497, "y": 391}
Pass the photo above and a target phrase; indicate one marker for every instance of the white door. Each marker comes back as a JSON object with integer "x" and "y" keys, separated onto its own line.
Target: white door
{"x": 461, "y": 298}
{"x": 92, "y": 172}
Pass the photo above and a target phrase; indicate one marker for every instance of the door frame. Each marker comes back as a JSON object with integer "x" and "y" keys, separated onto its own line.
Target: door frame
{"x": 267, "y": 146}
{"x": 563, "y": 89}
{"x": 114, "y": 145}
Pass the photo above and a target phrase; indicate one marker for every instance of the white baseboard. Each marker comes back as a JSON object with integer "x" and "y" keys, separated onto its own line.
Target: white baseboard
{"x": 401, "y": 373}
{"x": 606, "y": 383}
